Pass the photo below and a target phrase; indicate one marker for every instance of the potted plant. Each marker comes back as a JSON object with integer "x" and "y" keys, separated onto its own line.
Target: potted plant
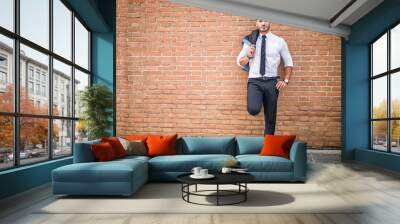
{"x": 96, "y": 102}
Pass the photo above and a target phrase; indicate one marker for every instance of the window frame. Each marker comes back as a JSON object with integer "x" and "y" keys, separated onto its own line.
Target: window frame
{"x": 16, "y": 114}
{"x": 388, "y": 74}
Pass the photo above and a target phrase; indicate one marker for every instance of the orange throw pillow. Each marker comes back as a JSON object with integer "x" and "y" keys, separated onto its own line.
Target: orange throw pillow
{"x": 103, "y": 152}
{"x": 161, "y": 145}
{"x": 277, "y": 145}
{"x": 116, "y": 145}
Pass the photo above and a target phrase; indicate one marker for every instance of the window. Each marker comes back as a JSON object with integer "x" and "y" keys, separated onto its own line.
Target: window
{"x": 62, "y": 74}
{"x": 44, "y": 91}
{"x": 30, "y": 72}
{"x": 38, "y": 74}
{"x": 47, "y": 76}
{"x": 7, "y": 14}
{"x": 33, "y": 147}
{"x": 385, "y": 94}
{"x": 6, "y": 74}
{"x": 30, "y": 87}
{"x": 3, "y": 78}
{"x": 62, "y": 31}
{"x": 81, "y": 45}
{"x": 62, "y": 137}
{"x": 6, "y": 142}
{"x": 35, "y": 21}
{"x": 3, "y": 61}
{"x": 81, "y": 81}
{"x": 37, "y": 89}
{"x": 3, "y": 72}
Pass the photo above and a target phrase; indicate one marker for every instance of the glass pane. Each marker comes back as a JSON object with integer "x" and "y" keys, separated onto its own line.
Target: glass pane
{"x": 395, "y": 94}
{"x": 35, "y": 21}
{"x": 81, "y": 131}
{"x": 34, "y": 81}
{"x": 62, "y": 89}
{"x": 62, "y": 138}
{"x": 379, "y": 135}
{"x": 62, "y": 29}
{"x": 6, "y": 74}
{"x": 33, "y": 139}
{"x": 7, "y": 14}
{"x": 395, "y": 136}
{"x": 6, "y": 142}
{"x": 379, "y": 97}
{"x": 395, "y": 47}
{"x": 379, "y": 56}
{"x": 81, "y": 81}
{"x": 81, "y": 45}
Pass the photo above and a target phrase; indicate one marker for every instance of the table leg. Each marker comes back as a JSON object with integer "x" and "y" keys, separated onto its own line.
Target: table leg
{"x": 217, "y": 194}
{"x": 196, "y": 188}
{"x": 245, "y": 193}
{"x": 188, "y": 190}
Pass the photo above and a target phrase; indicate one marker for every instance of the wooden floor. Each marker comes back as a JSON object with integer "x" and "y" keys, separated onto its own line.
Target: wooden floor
{"x": 379, "y": 189}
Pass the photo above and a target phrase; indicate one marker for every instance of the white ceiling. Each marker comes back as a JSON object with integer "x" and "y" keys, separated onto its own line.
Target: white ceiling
{"x": 315, "y": 15}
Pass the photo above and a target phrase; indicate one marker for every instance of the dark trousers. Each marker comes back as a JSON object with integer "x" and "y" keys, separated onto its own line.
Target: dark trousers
{"x": 263, "y": 92}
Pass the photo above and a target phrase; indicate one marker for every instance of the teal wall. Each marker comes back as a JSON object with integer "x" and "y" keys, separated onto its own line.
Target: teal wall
{"x": 99, "y": 15}
{"x": 102, "y": 64}
{"x": 103, "y": 52}
{"x": 356, "y": 85}
{"x": 24, "y": 178}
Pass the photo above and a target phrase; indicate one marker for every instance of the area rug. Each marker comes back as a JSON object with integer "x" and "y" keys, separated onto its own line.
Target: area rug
{"x": 166, "y": 198}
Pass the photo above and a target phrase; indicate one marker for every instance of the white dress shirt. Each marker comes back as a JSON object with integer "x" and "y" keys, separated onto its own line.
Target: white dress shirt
{"x": 276, "y": 48}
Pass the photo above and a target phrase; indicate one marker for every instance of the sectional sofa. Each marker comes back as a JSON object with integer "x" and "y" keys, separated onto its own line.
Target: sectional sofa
{"x": 125, "y": 176}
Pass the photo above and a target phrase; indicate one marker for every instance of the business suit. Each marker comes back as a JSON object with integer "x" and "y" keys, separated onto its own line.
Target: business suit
{"x": 263, "y": 75}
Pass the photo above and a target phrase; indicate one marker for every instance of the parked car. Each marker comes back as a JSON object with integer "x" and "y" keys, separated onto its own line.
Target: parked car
{"x": 22, "y": 155}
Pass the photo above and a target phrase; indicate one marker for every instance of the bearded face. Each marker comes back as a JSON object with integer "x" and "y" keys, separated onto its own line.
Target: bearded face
{"x": 262, "y": 25}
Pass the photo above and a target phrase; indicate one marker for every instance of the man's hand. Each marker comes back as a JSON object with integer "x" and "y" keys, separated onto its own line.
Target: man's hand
{"x": 280, "y": 85}
{"x": 251, "y": 51}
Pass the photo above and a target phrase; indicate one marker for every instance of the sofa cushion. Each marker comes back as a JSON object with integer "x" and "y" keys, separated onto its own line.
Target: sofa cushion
{"x": 116, "y": 145}
{"x": 249, "y": 145}
{"x": 257, "y": 163}
{"x": 112, "y": 171}
{"x": 161, "y": 145}
{"x": 134, "y": 147}
{"x": 277, "y": 145}
{"x": 185, "y": 163}
{"x": 103, "y": 152}
{"x": 207, "y": 145}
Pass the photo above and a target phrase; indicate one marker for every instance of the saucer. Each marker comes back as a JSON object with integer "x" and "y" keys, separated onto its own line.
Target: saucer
{"x": 208, "y": 176}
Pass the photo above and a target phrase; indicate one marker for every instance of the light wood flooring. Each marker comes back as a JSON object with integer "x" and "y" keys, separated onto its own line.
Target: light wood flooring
{"x": 378, "y": 188}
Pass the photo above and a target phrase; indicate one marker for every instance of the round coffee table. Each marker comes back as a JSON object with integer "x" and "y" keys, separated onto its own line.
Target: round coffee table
{"x": 238, "y": 179}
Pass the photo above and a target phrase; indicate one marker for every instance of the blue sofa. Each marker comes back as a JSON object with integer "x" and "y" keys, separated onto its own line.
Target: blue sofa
{"x": 125, "y": 176}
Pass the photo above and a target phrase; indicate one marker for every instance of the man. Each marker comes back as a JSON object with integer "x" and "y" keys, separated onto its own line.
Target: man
{"x": 261, "y": 55}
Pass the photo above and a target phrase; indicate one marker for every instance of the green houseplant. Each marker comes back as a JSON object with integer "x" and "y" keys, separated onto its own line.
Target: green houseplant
{"x": 96, "y": 103}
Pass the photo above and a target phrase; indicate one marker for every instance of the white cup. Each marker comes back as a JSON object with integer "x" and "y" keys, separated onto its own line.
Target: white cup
{"x": 226, "y": 170}
{"x": 203, "y": 172}
{"x": 196, "y": 171}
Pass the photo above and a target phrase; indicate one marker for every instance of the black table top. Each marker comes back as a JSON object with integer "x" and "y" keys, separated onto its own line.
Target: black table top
{"x": 220, "y": 178}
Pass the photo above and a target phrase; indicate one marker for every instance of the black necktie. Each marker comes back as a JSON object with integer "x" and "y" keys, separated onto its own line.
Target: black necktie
{"x": 262, "y": 60}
